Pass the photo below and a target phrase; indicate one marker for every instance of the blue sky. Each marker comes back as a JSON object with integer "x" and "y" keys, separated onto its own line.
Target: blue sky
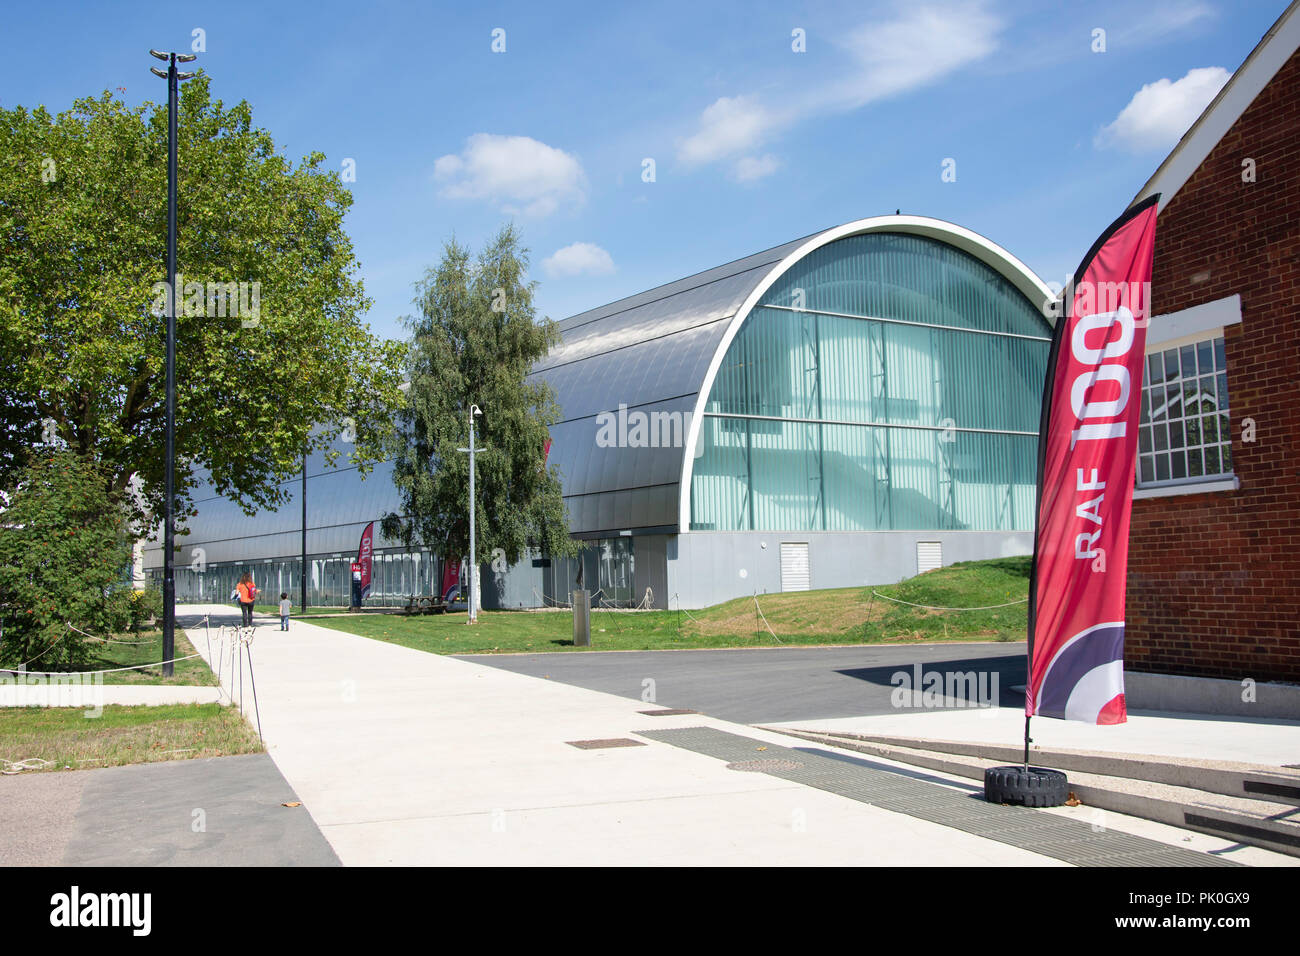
{"x": 753, "y": 143}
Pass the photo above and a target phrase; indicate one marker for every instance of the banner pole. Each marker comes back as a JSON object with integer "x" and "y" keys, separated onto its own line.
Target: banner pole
{"x": 1027, "y": 718}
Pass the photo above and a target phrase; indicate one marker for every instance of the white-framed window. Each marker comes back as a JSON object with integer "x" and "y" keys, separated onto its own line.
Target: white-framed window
{"x": 1185, "y": 434}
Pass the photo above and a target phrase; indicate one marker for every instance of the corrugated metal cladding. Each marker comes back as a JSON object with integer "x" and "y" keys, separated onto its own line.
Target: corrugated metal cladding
{"x": 649, "y": 353}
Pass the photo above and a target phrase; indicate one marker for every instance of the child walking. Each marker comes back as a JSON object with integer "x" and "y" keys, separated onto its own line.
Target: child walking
{"x": 285, "y": 607}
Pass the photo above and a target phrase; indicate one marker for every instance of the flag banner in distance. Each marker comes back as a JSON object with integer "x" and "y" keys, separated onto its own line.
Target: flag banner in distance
{"x": 1087, "y": 446}
{"x": 365, "y": 557}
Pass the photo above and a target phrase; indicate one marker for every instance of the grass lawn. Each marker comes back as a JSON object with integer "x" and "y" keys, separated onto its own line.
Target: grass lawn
{"x": 838, "y": 616}
{"x": 123, "y": 735}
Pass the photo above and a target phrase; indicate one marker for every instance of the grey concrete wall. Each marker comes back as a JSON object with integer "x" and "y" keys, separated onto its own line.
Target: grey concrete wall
{"x": 515, "y": 587}
{"x": 713, "y": 566}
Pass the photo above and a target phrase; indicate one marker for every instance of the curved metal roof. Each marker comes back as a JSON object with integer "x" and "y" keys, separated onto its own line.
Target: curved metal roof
{"x": 658, "y": 352}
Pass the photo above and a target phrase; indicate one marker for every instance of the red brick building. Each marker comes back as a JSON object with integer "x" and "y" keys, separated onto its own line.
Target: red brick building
{"x": 1214, "y": 572}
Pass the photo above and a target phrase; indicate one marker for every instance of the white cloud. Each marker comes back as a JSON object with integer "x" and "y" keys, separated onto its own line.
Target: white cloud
{"x": 749, "y": 169}
{"x": 580, "y": 258}
{"x": 1155, "y": 24}
{"x": 731, "y": 125}
{"x": 922, "y": 46}
{"x": 919, "y": 47}
{"x": 1162, "y": 111}
{"x": 517, "y": 173}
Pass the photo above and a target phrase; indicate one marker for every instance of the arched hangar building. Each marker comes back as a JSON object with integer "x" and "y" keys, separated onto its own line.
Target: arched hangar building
{"x": 844, "y": 409}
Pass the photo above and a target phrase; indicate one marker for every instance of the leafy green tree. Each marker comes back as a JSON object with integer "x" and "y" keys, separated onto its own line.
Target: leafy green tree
{"x": 474, "y": 342}
{"x": 264, "y": 372}
{"x": 65, "y": 557}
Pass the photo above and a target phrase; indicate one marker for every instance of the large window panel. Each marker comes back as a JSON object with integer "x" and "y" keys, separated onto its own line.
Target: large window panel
{"x": 886, "y": 382}
{"x": 1183, "y": 434}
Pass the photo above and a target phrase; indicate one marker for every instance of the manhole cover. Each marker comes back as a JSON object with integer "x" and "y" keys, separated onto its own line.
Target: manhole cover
{"x": 765, "y": 766}
{"x": 602, "y": 744}
{"x": 670, "y": 712}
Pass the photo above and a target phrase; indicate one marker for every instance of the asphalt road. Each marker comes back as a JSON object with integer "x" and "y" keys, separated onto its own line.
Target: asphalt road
{"x": 759, "y": 686}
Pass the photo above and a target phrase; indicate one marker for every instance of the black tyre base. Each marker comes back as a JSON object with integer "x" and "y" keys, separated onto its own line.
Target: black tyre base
{"x": 1035, "y": 787}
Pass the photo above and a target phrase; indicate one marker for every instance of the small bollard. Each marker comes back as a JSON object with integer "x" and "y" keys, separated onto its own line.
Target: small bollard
{"x": 581, "y": 619}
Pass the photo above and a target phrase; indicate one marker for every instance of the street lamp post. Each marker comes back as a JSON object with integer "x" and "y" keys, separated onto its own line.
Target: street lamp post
{"x": 472, "y": 605}
{"x": 302, "y": 577}
{"x": 173, "y": 79}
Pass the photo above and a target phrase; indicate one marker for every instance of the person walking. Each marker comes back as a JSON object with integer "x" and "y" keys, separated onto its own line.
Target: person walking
{"x": 286, "y": 606}
{"x": 247, "y": 595}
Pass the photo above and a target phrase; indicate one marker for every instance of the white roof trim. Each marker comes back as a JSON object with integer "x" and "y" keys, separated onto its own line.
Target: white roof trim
{"x": 1269, "y": 56}
{"x": 972, "y": 243}
{"x": 1172, "y": 327}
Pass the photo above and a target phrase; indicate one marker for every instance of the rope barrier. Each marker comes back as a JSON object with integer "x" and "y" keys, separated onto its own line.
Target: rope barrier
{"x": 69, "y": 626}
{"x": 929, "y": 607}
{"x": 549, "y": 601}
{"x": 760, "y": 613}
{"x": 645, "y": 604}
{"x": 11, "y": 767}
{"x": 106, "y": 640}
{"x": 111, "y": 670}
{"x": 56, "y": 640}
{"x": 682, "y": 610}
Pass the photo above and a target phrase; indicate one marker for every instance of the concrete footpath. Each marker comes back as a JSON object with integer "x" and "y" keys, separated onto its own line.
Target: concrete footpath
{"x": 404, "y": 757}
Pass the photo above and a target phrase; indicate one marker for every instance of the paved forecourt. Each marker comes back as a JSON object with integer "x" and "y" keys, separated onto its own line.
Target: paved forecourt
{"x": 404, "y": 757}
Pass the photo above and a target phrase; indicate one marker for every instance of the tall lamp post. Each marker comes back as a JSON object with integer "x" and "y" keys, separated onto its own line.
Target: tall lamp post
{"x": 472, "y": 605}
{"x": 303, "y": 568}
{"x": 173, "y": 79}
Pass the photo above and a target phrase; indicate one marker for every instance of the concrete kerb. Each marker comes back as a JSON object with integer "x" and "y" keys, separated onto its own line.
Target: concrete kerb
{"x": 1208, "y": 695}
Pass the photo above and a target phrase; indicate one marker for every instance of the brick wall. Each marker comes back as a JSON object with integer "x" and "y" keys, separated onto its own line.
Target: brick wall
{"x": 1214, "y": 579}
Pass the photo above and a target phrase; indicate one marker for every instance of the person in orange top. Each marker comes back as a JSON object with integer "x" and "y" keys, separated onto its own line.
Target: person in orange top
{"x": 247, "y": 595}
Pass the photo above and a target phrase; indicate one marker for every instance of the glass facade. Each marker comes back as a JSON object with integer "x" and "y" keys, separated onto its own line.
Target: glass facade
{"x": 885, "y": 381}
{"x": 607, "y": 570}
{"x": 1185, "y": 433}
{"x": 395, "y": 576}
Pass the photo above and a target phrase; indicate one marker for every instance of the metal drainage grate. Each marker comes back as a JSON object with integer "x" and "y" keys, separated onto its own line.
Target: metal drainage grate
{"x": 1046, "y": 834}
{"x": 765, "y": 766}
{"x": 668, "y": 712}
{"x": 604, "y": 744}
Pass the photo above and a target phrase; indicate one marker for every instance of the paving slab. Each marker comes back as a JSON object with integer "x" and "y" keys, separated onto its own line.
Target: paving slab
{"x": 404, "y": 757}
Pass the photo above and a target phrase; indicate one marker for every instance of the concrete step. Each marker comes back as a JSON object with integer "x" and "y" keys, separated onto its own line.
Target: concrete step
{"x": 1233, "y": 779}
{"x": 1244, "y": 819}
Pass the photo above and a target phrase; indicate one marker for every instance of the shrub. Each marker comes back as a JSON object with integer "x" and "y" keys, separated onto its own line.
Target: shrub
{"x": 65, "y": 556}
